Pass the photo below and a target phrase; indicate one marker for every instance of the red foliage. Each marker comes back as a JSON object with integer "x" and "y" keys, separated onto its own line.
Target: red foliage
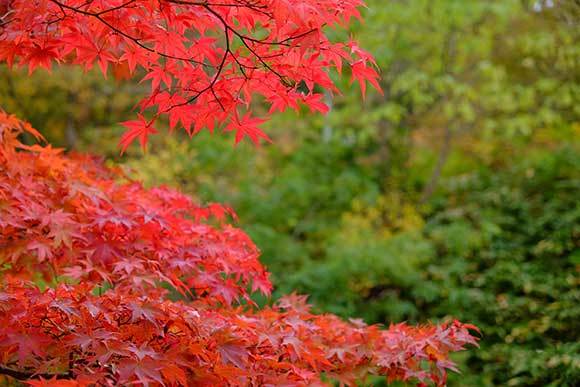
{"x": 206, "y": 60}
{"x": 116, "y": 258}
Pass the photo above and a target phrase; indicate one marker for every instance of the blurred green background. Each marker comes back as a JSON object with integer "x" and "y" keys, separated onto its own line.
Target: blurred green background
{"x": 456, "y": 194}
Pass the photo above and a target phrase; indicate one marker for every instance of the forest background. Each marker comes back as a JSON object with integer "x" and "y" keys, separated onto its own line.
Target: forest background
{"x": 454, "y": 194}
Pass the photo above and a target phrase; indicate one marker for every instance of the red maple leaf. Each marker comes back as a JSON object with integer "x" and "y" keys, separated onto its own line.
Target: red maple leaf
{"x": 140, "y": 129}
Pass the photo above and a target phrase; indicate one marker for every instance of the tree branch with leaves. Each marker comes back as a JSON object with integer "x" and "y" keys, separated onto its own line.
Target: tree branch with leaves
{"x": 207, "y": 61}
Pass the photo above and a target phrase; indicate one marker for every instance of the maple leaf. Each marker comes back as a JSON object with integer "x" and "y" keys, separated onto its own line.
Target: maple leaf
{"x": 174, "y": 374}
{"x": 135, "y": 56}
{"x": 247, "y": 126}
{"x": 42, "y": 249}
{"x": 64, "y": 234}
{"x": 314, "y": 103}
{"x": 91, "y": 339}
{"x": 128, "y": 266}
{"x": 363, "y": 73}
{"x": 88, "y": 53}
{"x": 40, "y": 56}
{"x": 144, "y": 371}
{"x": 143, "y": 352}
{"x": 157, "y": 75}
{"x": 143, "y": 311}
{"x": 27, "y": 345}
{"x": 233, "y": 353}
{"x": 262, "y": 284}
{"x": 140, "y": 129}
{"x": 65, "y": 306}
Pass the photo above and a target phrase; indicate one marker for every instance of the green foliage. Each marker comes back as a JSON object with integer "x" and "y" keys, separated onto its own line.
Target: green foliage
{"x": 499, "y": 250}
{"x": 510, "y": 268}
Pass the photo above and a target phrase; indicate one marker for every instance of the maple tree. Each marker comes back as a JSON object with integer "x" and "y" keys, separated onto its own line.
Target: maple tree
{"x": 113, "y": 252}
{"x": 206, "y": 61}
{"x": 144, "y": 286}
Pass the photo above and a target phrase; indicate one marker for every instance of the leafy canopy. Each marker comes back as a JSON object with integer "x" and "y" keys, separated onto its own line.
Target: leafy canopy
{"x": 206, "y": 61}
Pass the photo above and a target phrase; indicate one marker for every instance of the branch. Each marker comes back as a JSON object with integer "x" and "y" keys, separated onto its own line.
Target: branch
{"x": 245, "y": 43}
{"x": 244, "y": 4}
{"x": 214, "y": 79}
{"x": 21, "y": 375}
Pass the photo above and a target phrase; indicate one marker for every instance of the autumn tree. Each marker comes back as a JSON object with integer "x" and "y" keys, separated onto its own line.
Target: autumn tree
{"x": 107, "y": 283}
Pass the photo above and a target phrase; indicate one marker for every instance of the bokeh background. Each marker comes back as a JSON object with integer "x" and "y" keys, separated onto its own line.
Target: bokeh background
{"x": 454, "y": 195}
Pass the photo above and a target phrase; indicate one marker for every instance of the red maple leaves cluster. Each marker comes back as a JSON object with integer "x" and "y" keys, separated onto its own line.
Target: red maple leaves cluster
{"x": 207, "y": 61}
{"x": 146, "y": 287}
{"x": 76, "y": 221}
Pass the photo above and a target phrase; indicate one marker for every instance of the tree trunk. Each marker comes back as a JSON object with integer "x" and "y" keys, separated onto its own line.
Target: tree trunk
{"x": 441, "y": 160}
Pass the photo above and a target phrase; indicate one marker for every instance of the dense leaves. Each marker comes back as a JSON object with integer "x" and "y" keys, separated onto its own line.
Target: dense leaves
{"x": 118, "y": 339}
{"x": 206, "y": 61}
{"x": 521, "y": 279}
{"x": 70, "y": 217}
{"x": 122, "y": 249}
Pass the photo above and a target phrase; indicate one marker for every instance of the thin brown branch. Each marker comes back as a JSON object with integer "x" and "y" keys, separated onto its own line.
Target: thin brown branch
{"x": 23, "y": 375}
{"x": 245, "y": 43}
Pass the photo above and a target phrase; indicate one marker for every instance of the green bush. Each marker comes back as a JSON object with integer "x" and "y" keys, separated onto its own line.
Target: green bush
{"x": 498, "y": 249}
{"x": 513, "y": 269}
